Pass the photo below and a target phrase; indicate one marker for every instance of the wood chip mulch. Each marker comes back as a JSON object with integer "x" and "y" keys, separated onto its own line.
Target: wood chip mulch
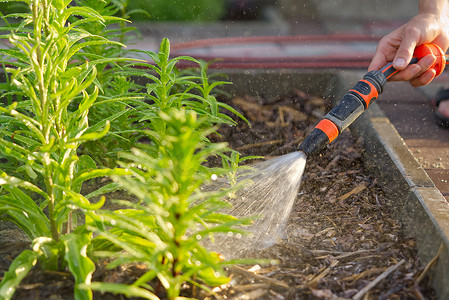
{"x": 342, "y": 240}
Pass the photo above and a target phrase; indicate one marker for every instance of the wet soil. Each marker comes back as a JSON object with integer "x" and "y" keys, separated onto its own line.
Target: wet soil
{"x": 342, "y": 239}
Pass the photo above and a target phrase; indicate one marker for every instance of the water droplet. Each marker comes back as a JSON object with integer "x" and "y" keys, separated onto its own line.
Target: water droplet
{"x": 197, "y": 263}
{"x": 216, "y": 274}
{"x": 238, "y": 235}
{"x": 214, "y": 177}
{"x": 230, "y": 233}
{"x": 198, "y": 237}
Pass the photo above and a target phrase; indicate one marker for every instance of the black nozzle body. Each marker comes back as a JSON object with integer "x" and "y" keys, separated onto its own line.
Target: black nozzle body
{"x": 350, "y": 107}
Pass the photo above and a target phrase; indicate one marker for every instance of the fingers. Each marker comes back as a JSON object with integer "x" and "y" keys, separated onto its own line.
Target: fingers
{"x": 424, "y": 78}
{"x": 418, "y": 74}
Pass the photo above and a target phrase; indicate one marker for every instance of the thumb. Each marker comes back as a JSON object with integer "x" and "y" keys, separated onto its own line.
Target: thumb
{"x": 404, "y": 55}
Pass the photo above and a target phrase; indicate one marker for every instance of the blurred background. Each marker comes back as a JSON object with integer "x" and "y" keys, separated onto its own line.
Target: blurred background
{"x": 276, "y": 17}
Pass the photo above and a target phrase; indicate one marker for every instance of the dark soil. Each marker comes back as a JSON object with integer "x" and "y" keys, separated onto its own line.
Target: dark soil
{"x": 341, "y": 236}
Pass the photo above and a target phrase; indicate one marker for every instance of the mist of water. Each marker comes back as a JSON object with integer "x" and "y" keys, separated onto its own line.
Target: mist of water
{"x": 271, "y": 194}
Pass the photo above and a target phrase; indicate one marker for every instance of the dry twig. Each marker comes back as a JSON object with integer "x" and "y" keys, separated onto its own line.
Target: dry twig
{"x": 379, "y": 278}
{"x": 314, "y": 282}
{"x": 260, "y": 277}
{"x": 355, "y": 190}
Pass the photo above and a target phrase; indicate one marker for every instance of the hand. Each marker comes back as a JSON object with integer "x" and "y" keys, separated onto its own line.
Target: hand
{"x": 398, "y": 46}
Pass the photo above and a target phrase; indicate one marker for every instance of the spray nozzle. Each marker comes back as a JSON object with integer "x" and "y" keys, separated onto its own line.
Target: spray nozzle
{"x": 358, "y": 99}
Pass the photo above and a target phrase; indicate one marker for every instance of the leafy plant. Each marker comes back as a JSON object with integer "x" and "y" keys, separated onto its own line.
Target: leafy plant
{"x": 232, "y": 168}
{"x": 164, "y": 228}
{"x": 54, "y": 105}
{"x": 165, "y": 87}
{"x": 168, "y": 88}
{"x": 42, "y": 135}
{"x": 119, "y": 96}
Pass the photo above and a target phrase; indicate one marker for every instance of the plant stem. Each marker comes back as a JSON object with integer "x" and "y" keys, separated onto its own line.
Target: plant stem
{"x": 43, "y": 94}
{"x": 51, "y": 202}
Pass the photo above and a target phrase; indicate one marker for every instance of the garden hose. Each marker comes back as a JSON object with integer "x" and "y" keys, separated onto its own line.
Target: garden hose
{"x": 358, "y": 99}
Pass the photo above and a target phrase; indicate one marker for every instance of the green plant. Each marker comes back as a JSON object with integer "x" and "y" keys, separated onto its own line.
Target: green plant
{"x": 52, "y": 87}
{"x": 167, "y": 88}
{"x": 119, "y": 96}
{"x": 233, "y": 169}
{"x": 164, "y": 228}
{"x": 42, "y": 135}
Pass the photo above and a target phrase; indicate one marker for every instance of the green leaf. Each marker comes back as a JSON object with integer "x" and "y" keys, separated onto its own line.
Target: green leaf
{"x": 92, "y": 136}
{"x": 88, "y": 101}
{"x": 80, "y": 46}
{"x": 48, "y": 251}
{"x": 78, "y": 263}
{"x": 111, "y": 187}
{"x": 219, "y": 218}
{"x": 120, "y": 288}
{"x": 23, "y": 211}
{"x": 32, "y": 124}
{"x": 234, "y": 111}
{"x": 99, "y": 173}
{"x": 19, "y": 268}
{"x": 84, "y": 11}
{"x": 164, "y": 51}
{"x": 82, "y": 202}
{"x": 12, "y": 181}
{"x": 84, "y": 164}
{"x": 104, "y": 121}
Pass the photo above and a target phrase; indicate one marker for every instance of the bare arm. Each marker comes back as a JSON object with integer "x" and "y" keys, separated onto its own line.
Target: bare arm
{"x": 431, "y": 25}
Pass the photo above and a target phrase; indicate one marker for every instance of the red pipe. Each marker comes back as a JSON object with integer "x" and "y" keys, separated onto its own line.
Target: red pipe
{"x": 347, "y": 60}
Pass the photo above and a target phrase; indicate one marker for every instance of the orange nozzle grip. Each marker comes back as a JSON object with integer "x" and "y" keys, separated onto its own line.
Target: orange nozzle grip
{"x": 329, "y": 128}
{"x": 435, "y": 50}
